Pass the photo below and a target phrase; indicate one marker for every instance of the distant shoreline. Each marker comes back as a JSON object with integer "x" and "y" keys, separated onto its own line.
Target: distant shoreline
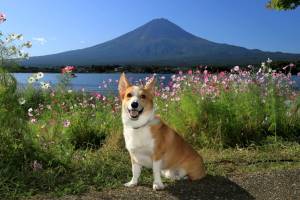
{"x": 278, "y": 65}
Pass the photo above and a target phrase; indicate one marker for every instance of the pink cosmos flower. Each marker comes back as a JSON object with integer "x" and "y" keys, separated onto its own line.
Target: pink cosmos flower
{"x": 67, "y": 69}
{"x": 292, "y": 65}
{"x": 206, "y": 79}
{"x": 298, "y": 74}
{"x": 98, "y": 96}
{"x": 190, "y": 72}
{"x": 2, "y": 17}
{"x": 67, "y": 123}
{"x": 222, "y": 74}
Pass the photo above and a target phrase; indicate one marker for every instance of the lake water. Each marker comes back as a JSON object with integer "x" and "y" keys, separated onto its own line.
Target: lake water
{"x": 89, "y": 81}
{"x": 92, "y": 81}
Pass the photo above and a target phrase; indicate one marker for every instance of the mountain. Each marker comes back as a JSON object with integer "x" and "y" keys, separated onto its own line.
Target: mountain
{"x": 159, "y": 42}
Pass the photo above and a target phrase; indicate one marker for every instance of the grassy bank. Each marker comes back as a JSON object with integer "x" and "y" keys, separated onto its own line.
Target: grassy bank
{"x": 64, "y": 142}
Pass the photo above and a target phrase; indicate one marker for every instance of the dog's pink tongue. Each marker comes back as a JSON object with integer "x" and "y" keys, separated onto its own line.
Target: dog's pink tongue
{"x": 134, "y": 113}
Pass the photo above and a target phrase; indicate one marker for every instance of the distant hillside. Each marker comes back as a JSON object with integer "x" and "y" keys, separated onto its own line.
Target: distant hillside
{"x": 159, "y": 42}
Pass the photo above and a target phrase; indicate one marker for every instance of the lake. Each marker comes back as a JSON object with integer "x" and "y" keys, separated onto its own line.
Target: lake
{"x": 89, "y": 81}
{"x": 92, "y": 81}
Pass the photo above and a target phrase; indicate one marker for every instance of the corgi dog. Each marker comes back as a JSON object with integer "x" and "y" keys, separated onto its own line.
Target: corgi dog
{"x": 150, "y": 142}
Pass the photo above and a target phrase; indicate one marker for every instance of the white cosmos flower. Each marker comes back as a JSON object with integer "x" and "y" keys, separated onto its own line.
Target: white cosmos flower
{"x": 40, "y": 75}
{"x": 48, "y": 85}
{"x": 269, "y": 60}
{"x": 35, "y": 76}
{"x": 12, "y": 36}
{"x": 27, "y": 44}
{"x": 31, "y": 80}
{"x": 20, "y": 37}
{"x": 236, "y": 68}
{"x": 45, "y": 85}
{"x": 22, "y": 101}
{"x": 30, "y": 110}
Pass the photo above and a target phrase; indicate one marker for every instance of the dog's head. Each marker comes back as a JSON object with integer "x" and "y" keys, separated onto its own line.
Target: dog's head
{"x": 137, "y": 101}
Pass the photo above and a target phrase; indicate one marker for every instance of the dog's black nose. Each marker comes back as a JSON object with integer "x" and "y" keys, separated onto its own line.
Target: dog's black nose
{"x": 134, "y": 104}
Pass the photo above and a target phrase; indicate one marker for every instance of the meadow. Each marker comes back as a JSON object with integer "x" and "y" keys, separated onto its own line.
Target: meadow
{"x": 61, "y": 141}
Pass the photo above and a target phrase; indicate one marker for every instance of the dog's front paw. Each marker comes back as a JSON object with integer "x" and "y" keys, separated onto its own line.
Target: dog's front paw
{"x": 158, "y": 186}
{"x": 130, "y": 184}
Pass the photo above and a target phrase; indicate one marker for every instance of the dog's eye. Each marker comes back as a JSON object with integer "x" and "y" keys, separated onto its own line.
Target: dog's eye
{"x": 143, "y": 96}
{"x": 129, "y": 95}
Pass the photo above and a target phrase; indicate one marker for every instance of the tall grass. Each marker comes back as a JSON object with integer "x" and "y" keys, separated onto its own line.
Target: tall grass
{"x": 234, "y": 118}
{"x": 57, "y": 140}
{"x": 236, "y": 109}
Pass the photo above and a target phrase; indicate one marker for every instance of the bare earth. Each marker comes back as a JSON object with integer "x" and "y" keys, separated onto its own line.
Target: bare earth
{"x": 272, "y": 185}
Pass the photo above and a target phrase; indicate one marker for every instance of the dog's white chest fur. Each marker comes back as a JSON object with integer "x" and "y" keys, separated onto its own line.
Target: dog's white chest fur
{"x": 140, "y": 144}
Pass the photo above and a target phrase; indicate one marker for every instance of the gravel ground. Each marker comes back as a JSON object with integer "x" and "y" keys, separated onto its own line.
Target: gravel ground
{"x": 272, "y": 185}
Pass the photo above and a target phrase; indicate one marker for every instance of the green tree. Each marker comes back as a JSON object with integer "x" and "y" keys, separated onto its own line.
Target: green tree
{"x": 283, "y": 4}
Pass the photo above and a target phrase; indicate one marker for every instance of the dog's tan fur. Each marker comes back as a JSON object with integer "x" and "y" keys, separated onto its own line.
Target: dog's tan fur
{"x": 176, "y": 153}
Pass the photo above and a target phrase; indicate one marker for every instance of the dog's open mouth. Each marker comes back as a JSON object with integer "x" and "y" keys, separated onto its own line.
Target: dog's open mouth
{"x": 134, "y": 113}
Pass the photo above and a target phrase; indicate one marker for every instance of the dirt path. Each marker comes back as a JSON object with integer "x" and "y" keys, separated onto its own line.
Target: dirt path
{"x": 273, "y": 185}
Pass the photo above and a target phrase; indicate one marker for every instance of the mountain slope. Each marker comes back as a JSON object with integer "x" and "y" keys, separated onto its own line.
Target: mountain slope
{"x": 159, "y": 42}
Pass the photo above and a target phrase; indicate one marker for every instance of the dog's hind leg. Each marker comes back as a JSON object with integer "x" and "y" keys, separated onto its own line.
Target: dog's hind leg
{"x": 174, "y": 174}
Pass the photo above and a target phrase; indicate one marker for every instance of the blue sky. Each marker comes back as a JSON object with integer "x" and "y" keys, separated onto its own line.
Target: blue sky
{"x": 59, "y": 25}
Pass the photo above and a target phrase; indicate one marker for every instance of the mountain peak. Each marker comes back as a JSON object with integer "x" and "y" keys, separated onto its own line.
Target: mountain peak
{"x": 160, "y": 21}
{"x": 162, "y": 28}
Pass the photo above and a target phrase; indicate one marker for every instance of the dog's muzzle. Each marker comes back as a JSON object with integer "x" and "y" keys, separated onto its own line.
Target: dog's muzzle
{"x": 134, "y": 113}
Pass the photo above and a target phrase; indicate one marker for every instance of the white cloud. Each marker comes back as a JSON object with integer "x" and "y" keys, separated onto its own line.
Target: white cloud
{"x": 82, "y": 42}
{"x": 40, "y": 40}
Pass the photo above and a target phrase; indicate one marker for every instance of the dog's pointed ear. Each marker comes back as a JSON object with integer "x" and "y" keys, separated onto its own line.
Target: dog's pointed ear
{"x": 123, "y": 85}
{"x": 150, "y": 85}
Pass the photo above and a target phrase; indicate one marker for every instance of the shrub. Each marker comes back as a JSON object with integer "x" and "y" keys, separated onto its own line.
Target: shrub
{"x": 13, "y": 131}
